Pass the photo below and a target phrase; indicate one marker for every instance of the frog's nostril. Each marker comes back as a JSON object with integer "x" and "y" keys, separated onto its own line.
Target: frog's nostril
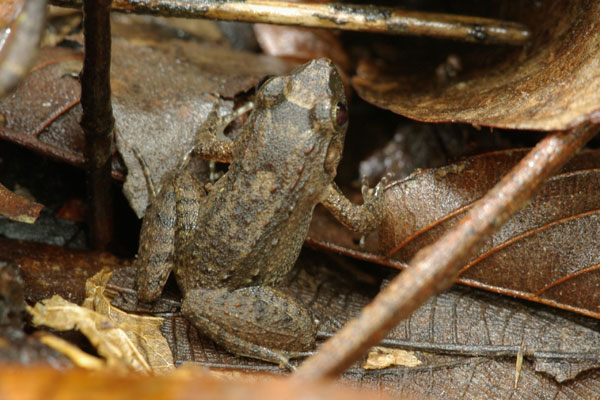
{"x": 341, "y": 114}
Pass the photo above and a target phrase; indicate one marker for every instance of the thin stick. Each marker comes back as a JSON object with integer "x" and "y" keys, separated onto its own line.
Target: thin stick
{"x": 435, "y": 267}
{"x": 97, "y": 119}
{"x": 390, "y": 20}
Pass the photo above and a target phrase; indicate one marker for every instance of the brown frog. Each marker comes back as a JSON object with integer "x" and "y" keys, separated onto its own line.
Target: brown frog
{"x": 229, "y": 247}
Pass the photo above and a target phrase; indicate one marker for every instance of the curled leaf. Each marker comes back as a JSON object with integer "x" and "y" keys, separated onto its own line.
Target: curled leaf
{"x": 75, "y": 354}
{"x": 126, "y": 341}
{"x": 552, "y": 83}
{"x": 144, "y": 331}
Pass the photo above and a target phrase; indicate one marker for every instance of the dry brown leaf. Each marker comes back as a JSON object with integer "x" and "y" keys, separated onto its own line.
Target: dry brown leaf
{"x": 454, "y": 335}
{"x": 302, "y": 44}
{"x": 459, "y": 321}
{"x": 551, "y": 83}
{"x": 382, "y": 357}
{"x": 162, "y": 92}
{"x": 547, "y": 253}
{"x": 18, "y": 208}
{"x": 126, "y": 341}
{"x": 49, "y": 269}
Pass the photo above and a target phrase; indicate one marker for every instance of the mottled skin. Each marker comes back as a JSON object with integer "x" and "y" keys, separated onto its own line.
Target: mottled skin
{"x": 230, "y": 246}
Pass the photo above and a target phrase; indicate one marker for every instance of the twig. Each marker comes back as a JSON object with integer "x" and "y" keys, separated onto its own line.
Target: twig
{"x": 19, "y": 50}
{"x": 97, "y": 119}
{"x": 333, "y": 16}
{"x": 435, "y": 267}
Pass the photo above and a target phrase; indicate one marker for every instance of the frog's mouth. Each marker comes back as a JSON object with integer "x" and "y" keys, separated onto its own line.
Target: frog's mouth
{"x": 334, "y": 155}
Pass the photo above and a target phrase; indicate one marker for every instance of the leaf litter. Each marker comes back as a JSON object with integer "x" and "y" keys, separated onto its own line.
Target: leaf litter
{"x": 526, "y": 371}
{"x": 337, "y": 298}
{"x": 551, "y": 83}
{"x": 126, "y": 341}
{"x": 18, "y": 208}
{"x": 162, "y": 92}
{"x": 546, "y": 253}
{"x": 459, "y": 334}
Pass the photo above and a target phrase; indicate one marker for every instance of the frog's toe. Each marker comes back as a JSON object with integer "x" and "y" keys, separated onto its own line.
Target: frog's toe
{"x": 383, "y": 182}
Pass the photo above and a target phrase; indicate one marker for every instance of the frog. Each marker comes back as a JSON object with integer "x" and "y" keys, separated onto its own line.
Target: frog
{"x": 231, "y": 243}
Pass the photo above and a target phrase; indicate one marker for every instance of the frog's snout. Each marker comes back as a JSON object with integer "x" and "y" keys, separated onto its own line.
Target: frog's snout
{"x": 313, "y": 81}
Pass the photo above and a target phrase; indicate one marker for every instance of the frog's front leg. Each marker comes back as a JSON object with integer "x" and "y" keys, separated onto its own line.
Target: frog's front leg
{"x": 360, "y": 218}
{"x": 211, "y": 142}
{"x": 154, "y": 261}
{"x": 257, "y": 321}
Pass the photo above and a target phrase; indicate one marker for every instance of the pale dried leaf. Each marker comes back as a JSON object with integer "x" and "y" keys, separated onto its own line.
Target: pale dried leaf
{"x": 142, "y": 330}
{"x": 110, "y": 341}
{"x": 382, "y": 357}
{"x": 75, "y": 354}
{"x": 126, "y": 341}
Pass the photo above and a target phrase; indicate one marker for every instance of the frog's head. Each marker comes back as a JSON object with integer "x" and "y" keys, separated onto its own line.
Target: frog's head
{"x": 311, "y": 101}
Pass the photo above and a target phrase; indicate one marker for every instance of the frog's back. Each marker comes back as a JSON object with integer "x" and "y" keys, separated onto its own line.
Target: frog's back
{"x": 250, "y": 236}
{"x": 253, "y": 222}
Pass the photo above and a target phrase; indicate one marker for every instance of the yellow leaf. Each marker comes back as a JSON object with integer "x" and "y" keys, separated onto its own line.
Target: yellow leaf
{"x": 382, "y": 357}
{"x": 125, "y": 340}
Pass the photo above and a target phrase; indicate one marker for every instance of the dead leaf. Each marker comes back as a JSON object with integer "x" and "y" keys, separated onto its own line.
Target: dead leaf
{"x": 302, "y": 44}
{"x": 74, "y": 353}
{"x": 18, "y": 208}
{"x": 162, "y": 91}
{"x": 110, "y": 341}
{"x": 144, "y": 331}
{"x": 126, "y": 341}
{"x": 551, "y": 83}
{"x": 546, "y": 253}
{"x": 455, "y": 335}
{"x": 382, "y": 357}
{"x": 49, "y": 269}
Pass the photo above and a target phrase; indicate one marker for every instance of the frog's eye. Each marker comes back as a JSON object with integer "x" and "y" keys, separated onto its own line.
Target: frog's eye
{"x": 263, "y": 80}
{"x": 341, "y": 114}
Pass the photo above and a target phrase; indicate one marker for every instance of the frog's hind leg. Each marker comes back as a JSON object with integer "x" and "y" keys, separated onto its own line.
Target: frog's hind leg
{"x": 258, "y": 322}
{"x": 155, "y": 255}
